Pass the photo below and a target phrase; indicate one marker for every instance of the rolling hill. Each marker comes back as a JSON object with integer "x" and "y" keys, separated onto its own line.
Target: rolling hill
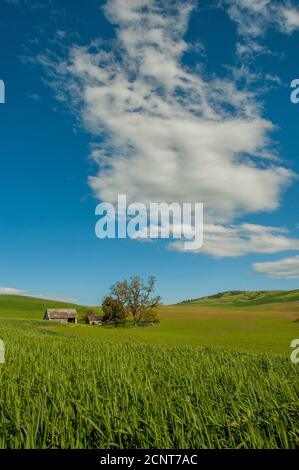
{"x": 30, "y": 307}
{"x": 244, "y": 298}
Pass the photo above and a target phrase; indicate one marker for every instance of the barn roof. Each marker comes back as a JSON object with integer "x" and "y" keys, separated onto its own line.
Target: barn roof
{"x": 61, "y": 313}
{"x": 93, "y": 317}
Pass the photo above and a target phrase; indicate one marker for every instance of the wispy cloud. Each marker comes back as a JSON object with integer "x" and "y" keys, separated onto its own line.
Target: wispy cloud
{"x": 11, "y": 291}
{"x": 240, "y": 240}
{"x": 33, "y": 4}
{"x": 287, "y": 268}
{"x": 20, "y": 292}
{"x": 13, "y": 2}
{"x": 254, "y": 18}
{"x": 58, "y": 298}
{"x": 34, "y": 97}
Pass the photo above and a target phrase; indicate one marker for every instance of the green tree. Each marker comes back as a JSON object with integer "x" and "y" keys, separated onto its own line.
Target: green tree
{"x": 114, "y": 311}
{"x": 137, "y": 297}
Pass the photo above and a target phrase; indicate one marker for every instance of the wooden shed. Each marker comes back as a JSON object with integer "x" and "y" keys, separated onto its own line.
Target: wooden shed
{"x": 93, "y": 319}
{"x": 62, "y": 315}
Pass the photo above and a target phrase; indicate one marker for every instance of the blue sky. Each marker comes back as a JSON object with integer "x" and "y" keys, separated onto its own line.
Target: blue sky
{"x": 188, "y": 103}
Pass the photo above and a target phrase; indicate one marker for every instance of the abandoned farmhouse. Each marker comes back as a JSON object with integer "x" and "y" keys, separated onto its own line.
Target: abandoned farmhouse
{"x": 61, "y": 315}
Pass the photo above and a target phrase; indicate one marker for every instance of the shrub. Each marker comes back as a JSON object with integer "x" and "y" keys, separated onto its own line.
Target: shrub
{"x": 114, "y": 311}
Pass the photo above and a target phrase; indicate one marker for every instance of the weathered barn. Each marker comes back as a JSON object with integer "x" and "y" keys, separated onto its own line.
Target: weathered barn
{"x": 62, "y": 315}
{"x": 93, "y": 319}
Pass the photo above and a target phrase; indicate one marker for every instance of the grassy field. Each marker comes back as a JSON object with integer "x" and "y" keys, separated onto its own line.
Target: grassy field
{"x": 266, "y": 328}
{"x": 208, "y": 376}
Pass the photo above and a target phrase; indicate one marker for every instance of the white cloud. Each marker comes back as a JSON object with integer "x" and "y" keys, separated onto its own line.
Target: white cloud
{"x": 168, "y": 133}
{"x": 255, "y": 17}
{"x": 54, "y": 297}
{"x": 239, "y": 240}
{"x": 20, "y": 292}
{"x": 287, "y": 268}
{"x": 251, "y": 16}
{"x": 11, "y": 291}
{"x": 290, "y": 19}
{"x": 162, "y": 132}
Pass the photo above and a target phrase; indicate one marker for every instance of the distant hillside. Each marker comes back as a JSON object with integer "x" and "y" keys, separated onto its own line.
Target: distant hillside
{"x": 31, "y": 307}
{"x": 246, "y": 298}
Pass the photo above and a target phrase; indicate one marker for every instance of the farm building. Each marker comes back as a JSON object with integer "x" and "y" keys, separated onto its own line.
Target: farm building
{"x": 93, "y": 319}
{"x": 61, "y": 315}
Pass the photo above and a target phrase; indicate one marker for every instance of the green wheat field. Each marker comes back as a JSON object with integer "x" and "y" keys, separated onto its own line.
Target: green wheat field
{"x": 215, "y": 373}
